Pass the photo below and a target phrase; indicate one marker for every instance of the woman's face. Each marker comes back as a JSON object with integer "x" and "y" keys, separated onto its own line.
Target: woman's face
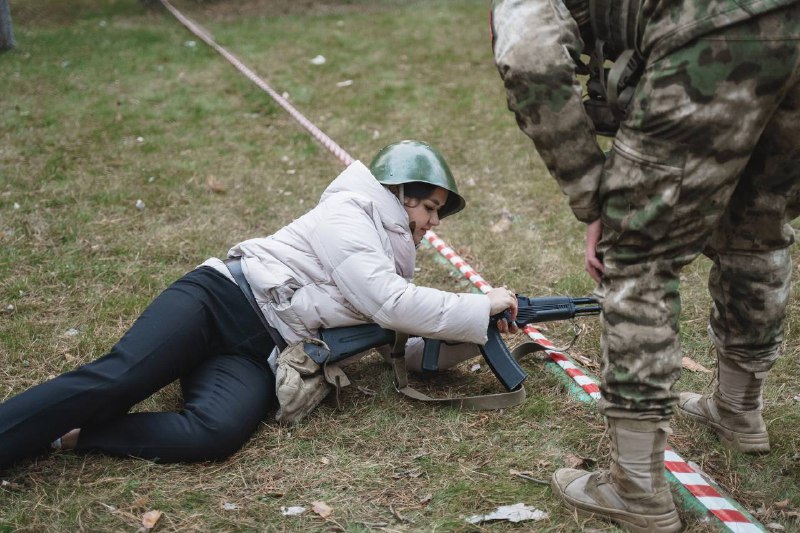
{"x": 423, "y": 214}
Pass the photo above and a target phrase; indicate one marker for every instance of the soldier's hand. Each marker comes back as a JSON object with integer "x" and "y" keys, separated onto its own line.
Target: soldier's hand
{"x": 592, "y": 263}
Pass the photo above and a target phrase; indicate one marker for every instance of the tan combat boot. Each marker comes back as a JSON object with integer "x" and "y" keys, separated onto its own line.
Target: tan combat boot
{"x": 733, "y": 410}
{"x": 634, "y": 493}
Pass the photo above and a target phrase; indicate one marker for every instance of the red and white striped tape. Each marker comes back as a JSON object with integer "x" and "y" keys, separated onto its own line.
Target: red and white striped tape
{"x": 705, "y": 493}
{"x": 315, "y": 132}
{"x": 708, "y": 495}
{"x": 584, "y": 381}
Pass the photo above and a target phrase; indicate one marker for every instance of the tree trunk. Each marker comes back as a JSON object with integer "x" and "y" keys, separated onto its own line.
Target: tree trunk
{"x": 6, "y": 32}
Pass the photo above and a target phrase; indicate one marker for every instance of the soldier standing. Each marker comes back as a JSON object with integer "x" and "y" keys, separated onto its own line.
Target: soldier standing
{"x": 703, "y": 101}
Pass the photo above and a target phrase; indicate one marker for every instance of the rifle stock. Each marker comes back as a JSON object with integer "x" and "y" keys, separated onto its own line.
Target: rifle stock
{"x": 348, "y": 341}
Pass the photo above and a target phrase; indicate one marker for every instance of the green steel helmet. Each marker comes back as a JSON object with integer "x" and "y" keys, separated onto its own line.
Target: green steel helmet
{"x": 415, "y": 161}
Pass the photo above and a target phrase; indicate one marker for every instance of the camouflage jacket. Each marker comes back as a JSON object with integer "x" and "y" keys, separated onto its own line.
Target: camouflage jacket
{"x": 537, "y": 48}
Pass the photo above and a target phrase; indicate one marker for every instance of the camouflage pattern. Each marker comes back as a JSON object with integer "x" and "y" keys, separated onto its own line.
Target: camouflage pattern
{"x": 537, "y": 45}
{"x": 705, "y": 162}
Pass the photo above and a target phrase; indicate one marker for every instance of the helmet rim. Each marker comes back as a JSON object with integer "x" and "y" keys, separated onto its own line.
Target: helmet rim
{"x": 417, "y": 161}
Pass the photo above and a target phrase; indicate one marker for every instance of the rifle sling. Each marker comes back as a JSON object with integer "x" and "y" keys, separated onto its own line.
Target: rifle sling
{"x": 467, "y": 403}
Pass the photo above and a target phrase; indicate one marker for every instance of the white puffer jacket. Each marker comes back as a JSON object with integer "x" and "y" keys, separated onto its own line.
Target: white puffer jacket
{"x": 350, "y": 261}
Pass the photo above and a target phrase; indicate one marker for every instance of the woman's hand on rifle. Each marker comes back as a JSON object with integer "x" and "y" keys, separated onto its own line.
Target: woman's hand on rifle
{"x": 501, "y": 299}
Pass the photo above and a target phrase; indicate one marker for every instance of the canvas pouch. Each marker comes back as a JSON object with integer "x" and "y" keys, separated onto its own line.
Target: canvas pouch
{"x": 301, "y": 383}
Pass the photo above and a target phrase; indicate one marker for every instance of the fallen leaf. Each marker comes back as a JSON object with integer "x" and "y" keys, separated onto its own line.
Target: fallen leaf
{"x": 774, "y": 526}
{"x": 413, "y": 473}
{"x": 140, "y": 502}
{"x": 325, "y": 461}
{"x": 150, "y": 518}
{"x": 586, "y": 361}
{"x": 228, "y": 506}
{"x": 503, "y": 223}
{"x": 574, "y": 461}
{"x": 694, "y": 366}
{"x": 426, "y": 499}
{"x": 216, "y": 186}
{"x": 322, "y": 509}
{"x": 783, "y": 504}
{"x": 365, "y": 390}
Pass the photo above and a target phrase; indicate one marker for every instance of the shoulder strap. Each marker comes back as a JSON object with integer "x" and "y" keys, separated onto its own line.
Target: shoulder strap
{"x": 468, "y": 403}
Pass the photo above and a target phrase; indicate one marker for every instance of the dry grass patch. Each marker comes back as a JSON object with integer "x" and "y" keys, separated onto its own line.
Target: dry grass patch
{"x": 218, "y": 163}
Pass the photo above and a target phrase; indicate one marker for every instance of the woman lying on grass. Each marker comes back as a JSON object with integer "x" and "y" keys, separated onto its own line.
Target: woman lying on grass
{"x": 347, "y": 261}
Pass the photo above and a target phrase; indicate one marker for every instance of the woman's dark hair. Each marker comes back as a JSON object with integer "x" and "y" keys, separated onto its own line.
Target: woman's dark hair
{"x": 418, "y": 189}
{"x": 421, "y": 190}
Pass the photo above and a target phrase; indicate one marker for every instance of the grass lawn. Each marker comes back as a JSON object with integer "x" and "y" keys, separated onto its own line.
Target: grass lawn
{"x": 107, "y": 105}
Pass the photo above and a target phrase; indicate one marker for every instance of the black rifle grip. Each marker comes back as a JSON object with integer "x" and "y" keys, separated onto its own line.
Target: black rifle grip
{"x": 430, "y": 355}
{"x": 500, "y": 360}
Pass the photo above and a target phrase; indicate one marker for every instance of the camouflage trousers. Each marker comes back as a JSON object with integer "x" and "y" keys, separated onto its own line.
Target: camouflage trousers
{"x": 707, "y": 161}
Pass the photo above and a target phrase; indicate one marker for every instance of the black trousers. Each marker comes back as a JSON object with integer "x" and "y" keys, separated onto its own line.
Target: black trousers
{"x": 200, "y": 330}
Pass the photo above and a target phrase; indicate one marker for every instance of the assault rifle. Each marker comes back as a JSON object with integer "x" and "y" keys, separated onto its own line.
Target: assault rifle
{"x": 348, "y": 341}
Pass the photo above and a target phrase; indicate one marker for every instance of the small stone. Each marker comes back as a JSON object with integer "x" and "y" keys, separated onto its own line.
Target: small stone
{"x": 71, "y": 332}
{"x": 140, "y": 205}
{"x": 318, "y": 60}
